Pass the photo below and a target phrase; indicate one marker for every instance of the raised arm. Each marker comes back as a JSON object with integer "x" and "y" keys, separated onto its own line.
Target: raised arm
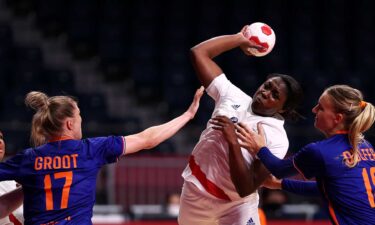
{"x": 10, "y": 201}
{"x": 203, "y": 53}
{"x": 153, "y": 136}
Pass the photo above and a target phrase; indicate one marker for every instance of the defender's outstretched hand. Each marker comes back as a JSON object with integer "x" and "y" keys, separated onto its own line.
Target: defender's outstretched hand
{"x": 152, "y": 136}
{"x": 192, "y": 110}
{"x": 272, "y": 182}
{"x": 251, "y": 140}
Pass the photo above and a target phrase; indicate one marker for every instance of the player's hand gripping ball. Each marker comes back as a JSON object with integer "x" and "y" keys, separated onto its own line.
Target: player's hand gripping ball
{"x": 262, "y": 35}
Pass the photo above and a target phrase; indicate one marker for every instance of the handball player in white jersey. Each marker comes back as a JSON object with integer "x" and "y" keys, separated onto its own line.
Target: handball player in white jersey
{"x": 217, "y": 191}
{"x": 16, "y": 217}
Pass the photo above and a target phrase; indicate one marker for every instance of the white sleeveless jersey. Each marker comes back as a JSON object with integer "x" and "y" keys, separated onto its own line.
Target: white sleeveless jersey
{"x": 211, "y": 151}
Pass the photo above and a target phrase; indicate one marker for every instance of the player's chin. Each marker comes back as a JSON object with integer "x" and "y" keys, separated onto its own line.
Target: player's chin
{"x": 257, "y": 107}
{"x": 257, "y": 103}
{"x": 316, "y": 124}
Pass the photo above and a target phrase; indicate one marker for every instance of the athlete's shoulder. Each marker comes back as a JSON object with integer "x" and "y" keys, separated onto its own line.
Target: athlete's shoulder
{"x": 274, "y": 126}
{"x": 222, "y": 87}
{"x": 336, "y": 141}
{"x": 28, "y": 152}
{"x": 100, "y": 140}
{"x": 275, "y": 122}
{"x": 95, "y": 143}
{"x": 328, "y": 145}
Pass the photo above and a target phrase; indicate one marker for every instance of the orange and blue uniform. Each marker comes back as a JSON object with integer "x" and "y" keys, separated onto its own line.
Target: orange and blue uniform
{"x": 348, "y": 192}
{"x": 59, "y": 178}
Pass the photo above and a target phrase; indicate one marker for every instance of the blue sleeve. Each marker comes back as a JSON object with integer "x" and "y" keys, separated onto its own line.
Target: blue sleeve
{"x": 309, "y": 188}
{"x": 309, "y": 161}
{"x": 9, "y": 170}
{"x": 280, "y": 168}
{"x": 106, "y": 149}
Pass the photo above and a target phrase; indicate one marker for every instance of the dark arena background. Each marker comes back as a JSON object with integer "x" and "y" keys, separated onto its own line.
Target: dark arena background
{"x": 127, "y": 62}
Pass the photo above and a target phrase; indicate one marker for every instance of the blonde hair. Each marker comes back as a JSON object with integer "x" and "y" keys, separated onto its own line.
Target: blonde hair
{"x": 359, "y": 116}
{"x": 49, "y": 116}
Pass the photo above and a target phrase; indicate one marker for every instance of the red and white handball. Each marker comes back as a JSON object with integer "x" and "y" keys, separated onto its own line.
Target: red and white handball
{"x": 261, "y": 34}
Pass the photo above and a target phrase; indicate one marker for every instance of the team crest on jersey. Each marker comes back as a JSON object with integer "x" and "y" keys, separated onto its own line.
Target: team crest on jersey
{"x": 235, "y": 107}
{"x": 234, "y": 119}
{"x": 250, "y": 222}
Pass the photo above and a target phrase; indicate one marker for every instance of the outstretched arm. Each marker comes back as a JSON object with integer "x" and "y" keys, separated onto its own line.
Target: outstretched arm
{"x": 309, "y": 188}
{"x": 256, "y": 144}
{"x": 153, "y": 136}
{"x": 306, "y": 188}
{"x": 203, "y": 53}
{"x": 10, "y": 201}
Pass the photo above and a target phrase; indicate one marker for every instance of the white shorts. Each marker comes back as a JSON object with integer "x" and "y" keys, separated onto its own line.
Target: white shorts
{"x": 201, "y": 208}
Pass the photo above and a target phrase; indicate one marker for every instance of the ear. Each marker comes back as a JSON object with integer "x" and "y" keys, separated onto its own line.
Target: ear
{"x": 339, "y": 118}
{"x": 282, "y": 110}
{"x": 69, "y": 124}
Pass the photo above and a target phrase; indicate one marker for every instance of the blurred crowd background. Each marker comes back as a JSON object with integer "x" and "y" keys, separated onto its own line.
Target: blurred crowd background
{"x": 127, "y": 62}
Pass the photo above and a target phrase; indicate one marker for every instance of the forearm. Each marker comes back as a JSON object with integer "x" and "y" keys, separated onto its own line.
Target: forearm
{"x": 309, "y": 188}
{"x": 157, "y": 134}
{"x": 201, "y": 55}
{"x": 217, "y": 45}
{"x": 241, "y": 175}
{"x": 153, "y": 136}
{"x": 280, "y": 168}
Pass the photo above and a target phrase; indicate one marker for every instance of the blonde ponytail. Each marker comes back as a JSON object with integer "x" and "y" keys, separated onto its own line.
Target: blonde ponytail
{"x": 360, "y": 124}
{"x": 49, "y": 116}
{"x": 359, "y": 116}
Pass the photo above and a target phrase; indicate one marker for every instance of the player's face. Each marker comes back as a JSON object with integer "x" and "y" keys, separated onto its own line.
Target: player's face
{"x": 325, "y": 115}
{"x": 270, "y": 97}
{"x": 77, "y": 122}
{"x": 2, "y": 146}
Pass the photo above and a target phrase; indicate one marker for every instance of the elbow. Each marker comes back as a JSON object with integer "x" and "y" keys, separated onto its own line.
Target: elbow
{"x": 244, "y": 192}
{"x": 148, "y": 144}
{"x": 194, "y": 53}
{"x": 198, "y": 53}
{"x": 194, "y": 50}
{"x": 148, "y": 139}
{"x": 278, "y": 175}
{"x": 4, "y": 211}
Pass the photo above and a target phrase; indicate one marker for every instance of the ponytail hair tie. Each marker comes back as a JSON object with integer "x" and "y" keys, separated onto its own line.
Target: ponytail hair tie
{"x": 362, "y": 104}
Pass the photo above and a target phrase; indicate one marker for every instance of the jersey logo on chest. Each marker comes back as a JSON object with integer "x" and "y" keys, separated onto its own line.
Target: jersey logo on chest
{"x": 235, "y": 107}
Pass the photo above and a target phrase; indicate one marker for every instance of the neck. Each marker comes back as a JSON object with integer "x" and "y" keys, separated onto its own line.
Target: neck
{"x": 337, "y": 131}
{"x": 264, "y": 114}
{"x": 60, "y": 138}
